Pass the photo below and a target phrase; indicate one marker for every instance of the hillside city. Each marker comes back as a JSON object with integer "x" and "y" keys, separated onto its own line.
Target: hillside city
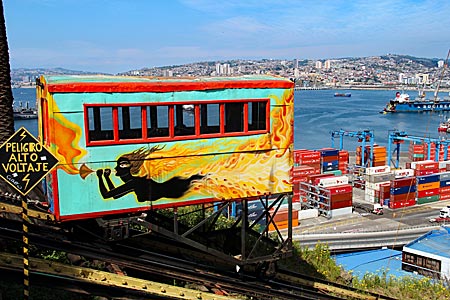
{"x": 384, "y": 72}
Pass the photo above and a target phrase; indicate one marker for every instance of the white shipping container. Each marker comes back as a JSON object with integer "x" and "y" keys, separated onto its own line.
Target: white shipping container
{"x": 370, "y": 192}
{"x": 404, "y": 173}
{"x": 341, "y": 211}
{"x": 414, "y": 163}
{"x": 333, "y": 181}
{"x": 378, "y": 170}
{"x": 377, "y": 178}
{"x": 375, "y": 185}
{"x": 371, "y": 199}
{"x": 443, "y": 164}
{"x": 308, "y": 214}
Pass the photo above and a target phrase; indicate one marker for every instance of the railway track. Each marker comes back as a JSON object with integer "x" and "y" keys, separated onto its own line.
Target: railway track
{"x": 142, "y": 258}
{"x": 144, "y": 264}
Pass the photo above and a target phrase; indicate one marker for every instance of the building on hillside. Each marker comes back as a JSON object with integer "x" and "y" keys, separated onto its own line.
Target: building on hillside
{"x": 429, "y": 254}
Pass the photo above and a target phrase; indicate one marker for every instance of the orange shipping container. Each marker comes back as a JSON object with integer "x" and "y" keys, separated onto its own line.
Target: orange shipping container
{"x": 428, "y": 186}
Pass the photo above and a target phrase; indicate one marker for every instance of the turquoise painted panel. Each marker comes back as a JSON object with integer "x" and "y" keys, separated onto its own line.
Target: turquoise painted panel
{"x": 122, "y": 177}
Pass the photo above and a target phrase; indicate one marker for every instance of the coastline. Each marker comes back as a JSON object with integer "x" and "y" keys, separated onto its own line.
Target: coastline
{"x": 368, "y": 88}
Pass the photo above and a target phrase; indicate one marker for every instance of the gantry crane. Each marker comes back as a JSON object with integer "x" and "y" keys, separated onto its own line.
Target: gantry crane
{"x": 397, "y": 137}
{"x": 364, "y": 136}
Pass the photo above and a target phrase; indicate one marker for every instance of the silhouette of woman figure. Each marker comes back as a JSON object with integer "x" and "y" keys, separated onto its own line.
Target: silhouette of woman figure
{"x": 146, "y": 189}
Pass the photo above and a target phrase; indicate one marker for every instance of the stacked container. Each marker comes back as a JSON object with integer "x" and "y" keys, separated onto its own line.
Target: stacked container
{"x": 385, "y": 193}
{"x": 329, "y": 159}
{"x": 428, "y": 188}
{"x": 444, "y": 186}
{"x": 444, "y": 166}
{"x": 343, "y": 161}
{"x": 281, "y": 219}
{"x": 426, "y": 167}
{"x": 379, "y": 156}
{"x": 308, "y": 158}
{"x": 402, "y": 193}
{"x": 375, "y": 177}
{"x": 300, "y": 174}
{"x": 339, "y": 194}
{"x": 419, "y": 152}
{"x": 416, "y": 152}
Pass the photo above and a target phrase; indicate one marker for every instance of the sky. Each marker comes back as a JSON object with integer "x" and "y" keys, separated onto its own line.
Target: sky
{"x": 114, "y": 36}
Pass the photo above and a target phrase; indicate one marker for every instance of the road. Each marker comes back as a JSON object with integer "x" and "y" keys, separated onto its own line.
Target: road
{"x": 361, "y": 221}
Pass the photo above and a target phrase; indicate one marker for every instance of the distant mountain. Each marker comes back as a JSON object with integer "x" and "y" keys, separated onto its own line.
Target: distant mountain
{"x": 30, "y": 75}
{"x": 392, "y": 64}
{"x": 400, "y": 59}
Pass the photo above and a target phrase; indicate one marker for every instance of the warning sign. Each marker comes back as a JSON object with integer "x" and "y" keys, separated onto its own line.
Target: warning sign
{"x": 24, "y": 161}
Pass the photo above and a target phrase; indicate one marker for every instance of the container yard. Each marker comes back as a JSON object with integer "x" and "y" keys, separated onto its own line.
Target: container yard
{"x": 331, "y": 182}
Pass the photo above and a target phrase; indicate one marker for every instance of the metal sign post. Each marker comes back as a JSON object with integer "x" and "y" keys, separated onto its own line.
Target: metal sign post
{"x": 24, "y": 161}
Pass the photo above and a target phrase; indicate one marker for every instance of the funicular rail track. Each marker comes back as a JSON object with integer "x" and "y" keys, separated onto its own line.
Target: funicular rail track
{"x": 152, "y": 265}
{"x": 146, "y": 264}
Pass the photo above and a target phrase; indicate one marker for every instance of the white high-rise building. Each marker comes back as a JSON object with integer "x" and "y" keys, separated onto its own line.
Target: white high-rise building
{"x": 223, "y": 69}
{"x": 440, "y": 64}
{"x": 318, "y": 64}
{"x": 167, "y": 73}
{"x": 218, "y": 69}
{"x": 327, "y": 64}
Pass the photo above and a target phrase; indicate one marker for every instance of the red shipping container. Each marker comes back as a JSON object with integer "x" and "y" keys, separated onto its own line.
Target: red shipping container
{"x": 444, "y": 190}
{"x": 341, "y": 197}
{"x": 282, "y": 215}
{"x": 314, "y": 177}
{"x": 400, "y": 204}
{"x": 300, "y": 155}
{"x": 445, "y": 196}
{"x": 426, "y": 193}
{"x": 302, "y": 171}
{"x": 402, "y": 197}
{"x": 401, "y": 182}
{"x": 426, "y": 172}
{"x": 341, "y": 189}
{"x": 343, "y": 154}
{"x": 341, "y": 204}
{"x": 330, "y": 158}
{"x": 308, "y": 161}
{"x": 427, "y": 166}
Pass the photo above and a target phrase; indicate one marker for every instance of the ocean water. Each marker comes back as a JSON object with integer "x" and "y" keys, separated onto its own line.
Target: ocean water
{"x": 318, "y": 113}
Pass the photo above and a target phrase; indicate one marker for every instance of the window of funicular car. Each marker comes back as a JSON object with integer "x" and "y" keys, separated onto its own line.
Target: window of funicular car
{"x": 140, "y": 123}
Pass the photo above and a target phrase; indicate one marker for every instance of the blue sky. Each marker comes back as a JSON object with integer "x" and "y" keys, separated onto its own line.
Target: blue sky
{"x": 119, "y": 35}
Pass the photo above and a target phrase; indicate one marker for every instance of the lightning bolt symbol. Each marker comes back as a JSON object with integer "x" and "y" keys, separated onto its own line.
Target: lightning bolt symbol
{"x": 23, "y": 135}
{"x": 25, "y": 179}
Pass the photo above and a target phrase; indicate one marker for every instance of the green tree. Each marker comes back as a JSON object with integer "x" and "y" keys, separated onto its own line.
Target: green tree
{"x": 6, "y": 96}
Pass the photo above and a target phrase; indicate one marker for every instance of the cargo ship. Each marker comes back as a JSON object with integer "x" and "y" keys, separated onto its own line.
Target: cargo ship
{"x": 403, "y": 103}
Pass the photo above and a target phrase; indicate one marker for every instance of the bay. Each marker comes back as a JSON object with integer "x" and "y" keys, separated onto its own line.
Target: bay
{"x": 318, "y": 113}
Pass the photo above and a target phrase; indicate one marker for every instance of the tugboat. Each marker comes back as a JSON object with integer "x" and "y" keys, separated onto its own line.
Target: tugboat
{"x": 342, "y": 94}
{"x": 444, "y": 126}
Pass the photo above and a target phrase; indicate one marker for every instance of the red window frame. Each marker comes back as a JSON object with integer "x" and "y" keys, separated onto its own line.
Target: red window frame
{"x": 115, "y": 140}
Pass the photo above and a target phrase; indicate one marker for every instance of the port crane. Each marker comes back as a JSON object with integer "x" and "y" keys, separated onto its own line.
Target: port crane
{"x": 364, "y": 136}
{"x": 397, "y": 137}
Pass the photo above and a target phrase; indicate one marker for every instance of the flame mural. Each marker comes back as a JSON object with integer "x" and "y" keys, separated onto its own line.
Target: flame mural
{"x": 231, "y": 172}
{"x": 64, "y": 139}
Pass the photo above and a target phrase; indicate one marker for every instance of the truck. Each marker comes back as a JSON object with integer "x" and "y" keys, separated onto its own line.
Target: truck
{"x": 444, "y": 216}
